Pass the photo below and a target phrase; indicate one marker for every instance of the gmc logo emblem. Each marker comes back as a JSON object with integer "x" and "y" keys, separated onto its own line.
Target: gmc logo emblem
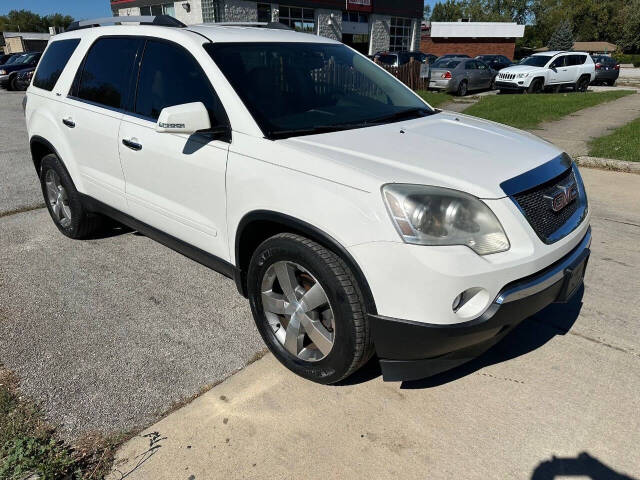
{"x": 562, "y": 195}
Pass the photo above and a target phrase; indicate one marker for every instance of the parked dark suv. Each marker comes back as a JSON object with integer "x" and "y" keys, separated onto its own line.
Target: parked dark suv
{"x": 496, "y": 62}
{"x": 607, "y": 70}
{"x": 9, "y": 73}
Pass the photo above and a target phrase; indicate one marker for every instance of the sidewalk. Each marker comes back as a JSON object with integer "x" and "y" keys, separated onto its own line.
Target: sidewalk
{"x": 573, "y": 132}
{"x": 552, "y": 389}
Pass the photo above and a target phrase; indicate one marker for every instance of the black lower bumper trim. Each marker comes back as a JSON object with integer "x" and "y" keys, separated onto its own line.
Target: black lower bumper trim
{"x": 509, "y": 86}
{"x": 413, "y": 350}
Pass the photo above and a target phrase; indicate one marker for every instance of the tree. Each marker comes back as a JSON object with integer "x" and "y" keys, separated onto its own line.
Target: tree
{"x": 562, "y": 38}
{"x": 426, "y": 13}
{"x": 629, "y": 20}
{"x": 27, "y": 21}
{"x": 448, "y": 11}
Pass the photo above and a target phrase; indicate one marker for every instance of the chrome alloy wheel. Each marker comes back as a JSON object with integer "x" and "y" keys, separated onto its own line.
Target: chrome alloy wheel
{"x": 58, "y": 198}
{"x": 298, "y": 311}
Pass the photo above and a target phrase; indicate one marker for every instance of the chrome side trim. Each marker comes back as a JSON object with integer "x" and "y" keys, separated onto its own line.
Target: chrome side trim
{"x": 546, "y": 279}
{"x": 538, "y": 175}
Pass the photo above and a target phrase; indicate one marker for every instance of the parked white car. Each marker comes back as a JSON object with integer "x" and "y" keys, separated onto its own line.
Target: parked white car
{"x": 354, "y": 217}
{"x": 548, "y": 70}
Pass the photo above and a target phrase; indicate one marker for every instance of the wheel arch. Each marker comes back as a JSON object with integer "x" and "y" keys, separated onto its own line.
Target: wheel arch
{"x": 259, "y": 225}
{"x": 41, "y": 147}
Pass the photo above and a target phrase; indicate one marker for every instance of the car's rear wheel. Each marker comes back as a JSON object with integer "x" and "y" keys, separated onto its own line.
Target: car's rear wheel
{"x": 63, "y": 200}
{"x": 463, "y": 88}
{"x": 611, "y": 83}
{"x": 309, "y": 309}
{"x": 13, "y": 85}
{"x": 583, "y": 84}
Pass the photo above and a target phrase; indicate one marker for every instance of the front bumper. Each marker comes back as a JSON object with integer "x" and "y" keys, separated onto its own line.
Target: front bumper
{"x": 4, "y": 80}
{"x": 510, "y": 86}
{"x": 412, "y": 350}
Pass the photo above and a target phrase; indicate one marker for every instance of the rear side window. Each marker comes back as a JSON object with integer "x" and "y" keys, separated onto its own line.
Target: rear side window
{"x": 576, "y": 59}
{"x": 106, "y": 75}
{"x": 52, "y": 64}
{"x": 170, "y": 76}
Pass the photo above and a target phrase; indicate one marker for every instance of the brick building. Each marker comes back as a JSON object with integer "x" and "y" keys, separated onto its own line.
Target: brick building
{"x": 368, "y": 26}
{"x": 470, "y": 38}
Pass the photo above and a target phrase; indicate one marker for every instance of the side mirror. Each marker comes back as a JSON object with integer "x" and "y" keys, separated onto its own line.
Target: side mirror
{"x": 187, "y": 118}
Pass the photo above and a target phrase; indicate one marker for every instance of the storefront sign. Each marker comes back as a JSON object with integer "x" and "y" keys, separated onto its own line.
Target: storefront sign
{"x": 360, "y": 5}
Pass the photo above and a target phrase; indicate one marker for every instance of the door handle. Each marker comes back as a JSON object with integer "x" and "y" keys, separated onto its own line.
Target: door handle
{"x": 69, "y": 122}
{"x": 131, "y": 144}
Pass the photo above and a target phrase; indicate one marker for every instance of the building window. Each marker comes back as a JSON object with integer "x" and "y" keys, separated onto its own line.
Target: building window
{"x": 210, "y": 11}
{"x": 355, "y": 17}
{"x": 155, "y": 10}
{"x": 264, "y": 12}
{"x": 400, "y": 34}
{"x": 298, "y": 18}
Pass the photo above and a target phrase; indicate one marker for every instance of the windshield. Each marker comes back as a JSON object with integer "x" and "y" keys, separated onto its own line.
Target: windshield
{"x": 446, "y": 63}
{"x": 25, "y": 59}
{"x": 304, "y": 88}
{"x": 535, "y": 61}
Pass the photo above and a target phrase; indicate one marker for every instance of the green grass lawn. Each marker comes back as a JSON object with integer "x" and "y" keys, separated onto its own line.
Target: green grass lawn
{"x": 622, "y": 144}
{"x": 529, "y": 111}
{"x": 435, "y": 99}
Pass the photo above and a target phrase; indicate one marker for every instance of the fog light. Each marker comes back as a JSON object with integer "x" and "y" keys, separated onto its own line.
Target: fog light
{"x": 456, "y": 302}
{"x": 471, "y": 303}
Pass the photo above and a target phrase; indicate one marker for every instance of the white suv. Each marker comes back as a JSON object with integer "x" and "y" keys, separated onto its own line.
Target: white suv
{"x": 549, "y": 70}
{"x": 355, "y": 218}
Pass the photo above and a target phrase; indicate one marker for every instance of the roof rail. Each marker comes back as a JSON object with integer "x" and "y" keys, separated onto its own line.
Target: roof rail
{"x": 159, "y": 20}
{"x": 270, "y": 25}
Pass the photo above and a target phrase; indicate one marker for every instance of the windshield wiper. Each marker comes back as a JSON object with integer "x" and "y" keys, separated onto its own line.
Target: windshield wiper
{"x": 317, "y": 129}
{"x": 280, "y": 134}
{"x": 417, "y": 112}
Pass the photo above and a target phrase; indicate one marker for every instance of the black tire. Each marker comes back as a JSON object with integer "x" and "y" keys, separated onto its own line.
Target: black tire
{"x": 82, "y": 223}
{"x": 611, "y": 83}
{"x": 462, "y": 89}
{"x": 536, "y": 86}
{"x": 492, "y": 85}
{"x": 583, "y": 84}
{"x": 352, "y": 346}
{"x": 12, "y": 83}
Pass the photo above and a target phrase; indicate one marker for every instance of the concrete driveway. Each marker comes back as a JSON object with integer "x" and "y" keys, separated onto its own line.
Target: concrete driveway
{"x": 558, "y": 398}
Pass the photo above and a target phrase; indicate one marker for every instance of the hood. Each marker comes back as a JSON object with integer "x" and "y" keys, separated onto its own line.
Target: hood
{"x": 521, "y": 69}
{"x": 446, "y": 149}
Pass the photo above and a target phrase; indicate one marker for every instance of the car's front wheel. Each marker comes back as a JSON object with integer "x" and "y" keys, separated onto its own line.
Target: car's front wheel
{"x": 309, "y": 308}
{"x": 463, "y": 88}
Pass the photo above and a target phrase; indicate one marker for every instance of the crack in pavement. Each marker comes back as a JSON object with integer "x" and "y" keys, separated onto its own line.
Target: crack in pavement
{"x": 22, "y": 210}
{"x": 620, "y": 221}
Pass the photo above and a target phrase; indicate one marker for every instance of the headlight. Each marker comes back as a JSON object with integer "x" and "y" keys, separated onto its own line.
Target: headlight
{"x": 3, "y": 72}
{"x": 426, "y": 215}
{"x": 522, "y": 75}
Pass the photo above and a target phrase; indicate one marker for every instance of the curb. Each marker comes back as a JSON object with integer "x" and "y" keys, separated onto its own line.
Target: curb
{"x": 608, "y": 164}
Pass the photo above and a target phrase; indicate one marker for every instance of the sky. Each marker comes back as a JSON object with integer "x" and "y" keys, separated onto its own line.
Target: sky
{"x": 78, "y": 9}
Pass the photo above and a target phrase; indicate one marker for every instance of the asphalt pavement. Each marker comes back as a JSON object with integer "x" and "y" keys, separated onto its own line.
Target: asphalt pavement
{"x": 107, "y": 334}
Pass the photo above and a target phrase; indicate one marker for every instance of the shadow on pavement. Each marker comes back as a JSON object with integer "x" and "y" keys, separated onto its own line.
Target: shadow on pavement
{"x": 584, "y": 465}
{"x": 556, "y": 319}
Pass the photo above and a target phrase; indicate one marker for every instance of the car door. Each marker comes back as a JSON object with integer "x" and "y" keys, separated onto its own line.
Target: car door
{"x": 92, "y": 112}
{"x": 485, "y": 74}
{"x": 472, "y": 74}
{"x": 175, "y": 182}
{"x": 556, "y": 70}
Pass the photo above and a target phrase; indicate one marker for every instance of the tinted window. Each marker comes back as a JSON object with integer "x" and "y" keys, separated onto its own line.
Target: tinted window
{"x": 558, "y": 62}
{"x": 53, "y": 63}
{"x": 171, "y": 76}
{"x": 302, "y": 88}
{"x": 107, "y": 71}
{"x": 387, "y": 59}
{"x": 446, "y": 63}
{"x": 471, "y": 66}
